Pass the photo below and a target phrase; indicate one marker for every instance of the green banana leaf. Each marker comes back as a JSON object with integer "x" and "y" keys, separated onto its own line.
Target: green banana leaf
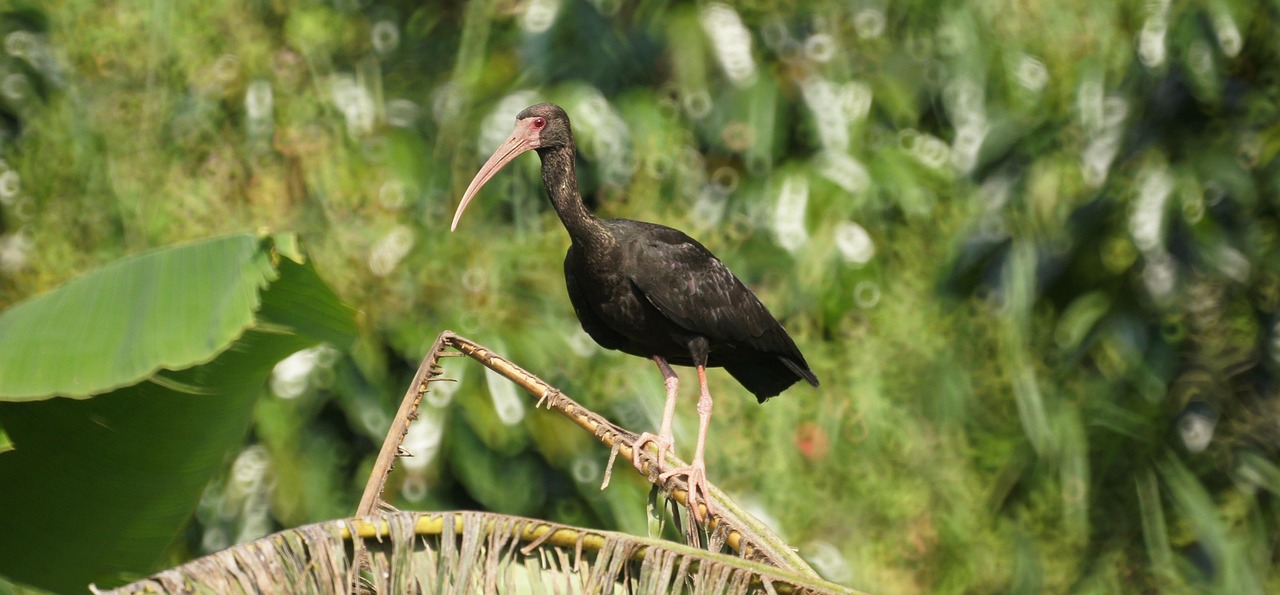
{"x": 122, "y": 391}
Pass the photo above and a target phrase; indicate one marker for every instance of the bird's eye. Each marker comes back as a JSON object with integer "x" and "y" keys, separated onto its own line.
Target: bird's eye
{"x": 539, "y": 122}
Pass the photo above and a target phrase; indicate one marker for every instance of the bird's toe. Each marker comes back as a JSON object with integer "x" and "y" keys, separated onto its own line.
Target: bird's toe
{"x": 699, "y": 491}
{"x": 637, "y": 449}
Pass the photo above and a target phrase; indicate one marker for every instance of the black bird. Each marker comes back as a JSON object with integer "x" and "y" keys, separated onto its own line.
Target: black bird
{"x": 652, "y": 291}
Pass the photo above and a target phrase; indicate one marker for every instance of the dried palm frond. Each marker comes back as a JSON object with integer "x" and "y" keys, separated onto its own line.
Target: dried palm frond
{"x": 468, "y": 552}
{"x": 727, "y": 525}
{"x": 382, "y": 551}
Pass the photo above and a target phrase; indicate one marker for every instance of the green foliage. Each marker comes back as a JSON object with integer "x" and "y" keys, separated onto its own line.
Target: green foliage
{"x": 124, "y": 322}
{"x": 1029, "y": 248}
{"x": 165, "y": 355}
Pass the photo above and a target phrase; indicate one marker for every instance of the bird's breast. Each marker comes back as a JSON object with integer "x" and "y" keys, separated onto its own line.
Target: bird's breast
{"x": 615, "y": 302}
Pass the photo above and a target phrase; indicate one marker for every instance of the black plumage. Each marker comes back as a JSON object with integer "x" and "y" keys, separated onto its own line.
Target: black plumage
{"x": 652, "y": 291}
{"x": 655, "y": 290}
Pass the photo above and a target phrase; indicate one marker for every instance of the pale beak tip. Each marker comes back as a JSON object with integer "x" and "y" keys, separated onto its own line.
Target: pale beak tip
{"x": 516, "y": 144}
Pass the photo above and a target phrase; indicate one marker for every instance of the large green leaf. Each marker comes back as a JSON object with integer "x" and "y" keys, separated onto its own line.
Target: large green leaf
{"x": 96, "y": 487}
{"x": 120, "y": 324}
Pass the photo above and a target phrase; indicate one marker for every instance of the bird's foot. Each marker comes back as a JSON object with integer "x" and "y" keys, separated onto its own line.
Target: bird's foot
{"x": 663, "y": 443}
{"x": 699, "y": 491}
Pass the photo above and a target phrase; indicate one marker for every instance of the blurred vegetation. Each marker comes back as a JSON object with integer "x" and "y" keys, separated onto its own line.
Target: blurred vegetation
{"x": 1029, "y": 248}
{"x": 124, "y": 390}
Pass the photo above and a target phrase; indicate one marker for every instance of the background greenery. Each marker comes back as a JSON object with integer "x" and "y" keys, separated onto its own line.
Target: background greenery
{"x": 1029, "y": 248}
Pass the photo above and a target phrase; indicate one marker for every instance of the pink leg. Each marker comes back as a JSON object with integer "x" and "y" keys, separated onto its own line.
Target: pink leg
{"x": 696, "y": 473}
{"x": 664, "y": 440}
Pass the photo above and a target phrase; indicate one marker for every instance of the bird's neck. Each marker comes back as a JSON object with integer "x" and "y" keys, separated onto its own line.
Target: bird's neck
{"x": 559, "y": 175}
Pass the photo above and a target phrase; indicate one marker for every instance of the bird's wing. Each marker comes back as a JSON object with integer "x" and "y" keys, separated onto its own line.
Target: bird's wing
{"x": 693, "y": 289}
{"x": 587, "y": 317}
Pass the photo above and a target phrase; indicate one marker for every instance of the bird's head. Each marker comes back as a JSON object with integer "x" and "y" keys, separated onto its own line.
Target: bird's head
{"x": 549, "y": 123}
{"x": 539, "y": 127}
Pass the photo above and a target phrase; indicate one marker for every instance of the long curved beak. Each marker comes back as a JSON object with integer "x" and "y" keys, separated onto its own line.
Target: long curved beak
{"x": 523, "y": 138}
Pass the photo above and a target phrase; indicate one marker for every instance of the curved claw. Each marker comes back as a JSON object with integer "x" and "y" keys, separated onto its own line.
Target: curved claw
{"x": 663, "y": 443}
{"x": 696, "y": 480}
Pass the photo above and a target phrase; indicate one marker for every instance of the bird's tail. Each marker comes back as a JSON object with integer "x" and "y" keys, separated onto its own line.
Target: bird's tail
{"x": 768, "y": 377}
